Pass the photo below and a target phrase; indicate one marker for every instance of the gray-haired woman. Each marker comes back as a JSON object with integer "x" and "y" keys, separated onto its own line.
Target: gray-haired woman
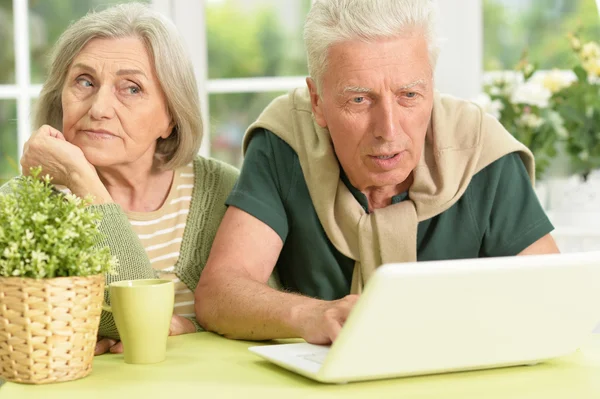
{"x": 119, "y": 119}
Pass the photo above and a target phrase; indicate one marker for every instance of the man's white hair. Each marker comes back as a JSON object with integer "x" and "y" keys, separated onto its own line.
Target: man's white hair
{"x": 333, "y": 21}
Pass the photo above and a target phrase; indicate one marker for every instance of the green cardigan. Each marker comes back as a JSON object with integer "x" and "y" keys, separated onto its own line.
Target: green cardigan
{"x": 213, "y": 182}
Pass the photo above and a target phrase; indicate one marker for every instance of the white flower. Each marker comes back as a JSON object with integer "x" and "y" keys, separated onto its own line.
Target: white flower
{"x": 556, "y": 80}
{"x": 491, "y": 107}
{"x": 39, "y": 217}
{"x": 39, "y": 256}
{"x": 530, "y": 120}
{"x": 70, "y": 234}
{"x": 531, "y": 93}
{"x": 503, "y": 82}
{"x": 495, "y": 91}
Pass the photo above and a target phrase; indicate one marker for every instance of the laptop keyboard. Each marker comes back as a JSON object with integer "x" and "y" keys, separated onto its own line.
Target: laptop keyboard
{"x": 317, "y": 357}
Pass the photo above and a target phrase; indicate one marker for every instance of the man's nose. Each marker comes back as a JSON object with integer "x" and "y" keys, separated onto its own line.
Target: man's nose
{"x": 387, "y": 122}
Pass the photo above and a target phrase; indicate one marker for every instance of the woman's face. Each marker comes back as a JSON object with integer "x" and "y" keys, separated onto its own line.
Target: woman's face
{"x": 113, "y": 106}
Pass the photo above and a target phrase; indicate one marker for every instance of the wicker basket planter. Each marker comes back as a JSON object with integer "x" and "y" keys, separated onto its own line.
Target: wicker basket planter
{"x": 48, "y": 327}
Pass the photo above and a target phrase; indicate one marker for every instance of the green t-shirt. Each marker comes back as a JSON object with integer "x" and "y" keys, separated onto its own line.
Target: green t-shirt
{"x": 498, "y": 215}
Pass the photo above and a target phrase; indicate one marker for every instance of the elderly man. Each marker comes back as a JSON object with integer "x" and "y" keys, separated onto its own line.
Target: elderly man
{"x": 368, "y": 165}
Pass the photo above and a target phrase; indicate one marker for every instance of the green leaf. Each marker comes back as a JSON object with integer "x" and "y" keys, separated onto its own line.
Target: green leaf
{"x": 581, "y": 73}
{"x": 45, "y": 234}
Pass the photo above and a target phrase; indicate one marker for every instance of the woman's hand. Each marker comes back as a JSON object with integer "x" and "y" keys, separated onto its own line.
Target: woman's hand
{"x": 179, "y": 325}
{"x": 108, "y": 345}
{"x": 64, "y": 162}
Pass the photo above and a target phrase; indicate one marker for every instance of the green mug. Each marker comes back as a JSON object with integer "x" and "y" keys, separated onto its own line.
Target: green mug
{"x": 142, "y": 310}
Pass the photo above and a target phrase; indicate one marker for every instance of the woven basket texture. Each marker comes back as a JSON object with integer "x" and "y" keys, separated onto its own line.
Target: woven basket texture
{"x": 48, "y": 327}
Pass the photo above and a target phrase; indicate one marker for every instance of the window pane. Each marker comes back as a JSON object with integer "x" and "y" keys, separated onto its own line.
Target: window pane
{"x": 539, "y": 26}
{"x": 48, "y": 19}
{"x": 255, "y": 38}
{"x": 9, "y": 166}
{"x": 231, "y": 114}
{"x": 7, "y": 50}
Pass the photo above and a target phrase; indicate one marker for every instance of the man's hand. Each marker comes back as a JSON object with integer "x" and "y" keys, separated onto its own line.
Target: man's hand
{"x": 322, "y": 323}
{"x": 179, "y": 325}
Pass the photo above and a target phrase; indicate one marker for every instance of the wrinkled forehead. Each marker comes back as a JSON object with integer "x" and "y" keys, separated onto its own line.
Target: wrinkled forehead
{"x": 114, "y": 56}
{"x": 401, "y": 62}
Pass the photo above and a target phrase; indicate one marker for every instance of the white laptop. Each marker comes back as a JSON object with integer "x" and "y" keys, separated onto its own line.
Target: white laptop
{"x": 443, "y": 316}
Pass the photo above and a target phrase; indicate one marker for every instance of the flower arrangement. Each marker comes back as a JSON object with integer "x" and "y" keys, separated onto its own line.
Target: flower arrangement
{"x": 543, "y": 109}
{"x": 579, "y": 107}
{"x": 521, "y": 101}
{"x": 44, "y": 234}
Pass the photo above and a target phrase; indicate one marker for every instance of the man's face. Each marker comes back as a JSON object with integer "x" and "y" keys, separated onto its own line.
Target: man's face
{"x": 376, "y": 101}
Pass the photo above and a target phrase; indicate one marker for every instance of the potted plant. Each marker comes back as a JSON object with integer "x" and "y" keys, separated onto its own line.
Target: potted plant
{"x": 521, "y": 100}
{"x": 579, "y": 106}
{"x": 51, "y": 282}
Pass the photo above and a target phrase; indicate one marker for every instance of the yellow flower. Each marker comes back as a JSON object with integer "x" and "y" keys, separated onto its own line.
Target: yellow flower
{"x": 592, "y": 67}
{"x": 590, "y": 51}
{"x": 575, "y": 42}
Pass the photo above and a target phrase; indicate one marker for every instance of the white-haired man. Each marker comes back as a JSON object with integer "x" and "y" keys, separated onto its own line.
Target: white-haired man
{"x": 367, "y": 165}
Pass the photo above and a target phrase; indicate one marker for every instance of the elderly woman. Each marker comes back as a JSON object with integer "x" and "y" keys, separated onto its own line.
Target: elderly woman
{"x": 119, "y": 119}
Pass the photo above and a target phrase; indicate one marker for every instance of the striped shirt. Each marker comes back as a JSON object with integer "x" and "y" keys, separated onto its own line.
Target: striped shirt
{"x": 161, "y": 233}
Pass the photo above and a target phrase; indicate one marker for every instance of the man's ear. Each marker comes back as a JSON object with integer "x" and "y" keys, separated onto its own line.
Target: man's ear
{"x": 317, "y": 103}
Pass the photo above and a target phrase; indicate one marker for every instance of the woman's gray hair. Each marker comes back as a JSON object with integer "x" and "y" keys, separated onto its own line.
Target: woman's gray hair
{"x": 173, "y": 68}
{"x": 333, "y": 21}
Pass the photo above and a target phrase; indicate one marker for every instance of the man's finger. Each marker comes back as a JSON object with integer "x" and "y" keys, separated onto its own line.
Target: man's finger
{"x": 333, "y": 327}
{"x": 103, "y": 346}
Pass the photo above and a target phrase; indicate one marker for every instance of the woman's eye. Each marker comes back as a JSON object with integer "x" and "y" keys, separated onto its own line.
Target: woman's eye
{"x": 84, "y": 82}
{"x": 134, "y": 90}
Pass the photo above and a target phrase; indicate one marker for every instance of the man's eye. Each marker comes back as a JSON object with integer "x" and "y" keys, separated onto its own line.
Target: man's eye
{"x": 358, "y": 100}
{"x": 411, "y": 94}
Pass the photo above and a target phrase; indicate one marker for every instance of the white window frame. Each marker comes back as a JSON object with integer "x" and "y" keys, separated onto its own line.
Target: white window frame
{"x": 459, "y": 70}
{"x": 460, "y": 62}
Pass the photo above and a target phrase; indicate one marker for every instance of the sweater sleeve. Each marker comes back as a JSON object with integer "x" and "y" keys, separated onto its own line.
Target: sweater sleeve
{"x": 133, "y": 262}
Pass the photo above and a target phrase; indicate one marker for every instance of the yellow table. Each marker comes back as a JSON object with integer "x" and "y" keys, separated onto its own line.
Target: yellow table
{"x": 204, "y": 365}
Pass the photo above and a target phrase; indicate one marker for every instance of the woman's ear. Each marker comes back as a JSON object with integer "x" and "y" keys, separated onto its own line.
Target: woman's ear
{"x": 170, "y": 129}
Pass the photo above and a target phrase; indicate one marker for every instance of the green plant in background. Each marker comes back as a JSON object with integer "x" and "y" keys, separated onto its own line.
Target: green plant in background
{"x": 579, "y": 106}
{"x": 45, "y": 234}
{"x": 520, "y": 100}
{"x": 538, "y": 25}
{"x": 246, "y": 40}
